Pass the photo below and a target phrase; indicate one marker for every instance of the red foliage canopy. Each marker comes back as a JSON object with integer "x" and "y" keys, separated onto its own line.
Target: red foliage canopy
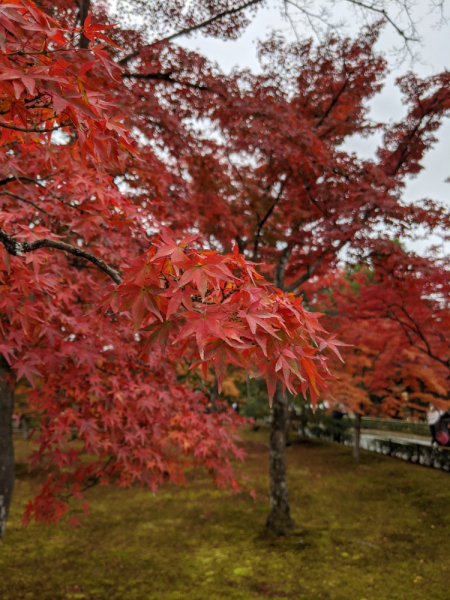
{"x": 67, "y": 230}
{"x": 82, "y": 202}
{"x": 395, "y": 314}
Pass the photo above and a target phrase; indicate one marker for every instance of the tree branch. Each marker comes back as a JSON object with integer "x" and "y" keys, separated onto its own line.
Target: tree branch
{"x": 383, "y": 12}
{"x": 16, "y": 248}
{"x": 311, "y": 269}
{"x": 333, "y": 102}
{"x": 5, "y": 193}
{"x": 187, "y": 30}
{"x": 34, "y": 129}
{"x": 167, "y": 78}
{"x": 308, "y": 273}
{"x": 262, "y": 222}
{"x": 280, "y": 269}
{"x": 85, "y": 6}
{"x": 23, "y": 178}
{"x": 42, "y": 187}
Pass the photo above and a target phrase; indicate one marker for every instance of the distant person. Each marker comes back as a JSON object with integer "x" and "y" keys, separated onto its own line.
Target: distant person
{"x": 442, "y": 434}
{"x": 433, "y": 417}
{"x": 337, "y": 415}
{"x": 235, "y": 406}
{"x": 24, "y": 426}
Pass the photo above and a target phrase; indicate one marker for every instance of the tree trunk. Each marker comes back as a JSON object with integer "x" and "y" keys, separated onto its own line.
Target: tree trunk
{"x": 357, "y": 435}
{"x": 6, "y": 442}
{"x": 214, "y": 395}
{"x": 85, "y": 7}
{"x": 279, "y": 521}
{"x": 247, "y": 379}
{"x": 302, "y": 421}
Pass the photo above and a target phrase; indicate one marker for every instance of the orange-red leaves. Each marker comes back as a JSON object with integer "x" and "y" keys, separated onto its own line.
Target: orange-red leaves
{"x": 234, "y": 315}
{"x": 169, "y": 247}
{"x": 29, "y": 71}
{"x": 92, "y": 31}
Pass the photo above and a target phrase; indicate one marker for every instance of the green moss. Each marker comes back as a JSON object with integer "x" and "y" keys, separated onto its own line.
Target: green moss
{"x": 377, "y": 529}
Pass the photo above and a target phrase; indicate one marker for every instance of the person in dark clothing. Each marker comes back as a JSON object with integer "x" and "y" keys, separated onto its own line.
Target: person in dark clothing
{"x": 337, "y": 416}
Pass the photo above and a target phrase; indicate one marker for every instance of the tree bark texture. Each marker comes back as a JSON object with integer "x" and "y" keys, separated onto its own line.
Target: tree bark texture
{"x": 279, "y": 521}
{"x": 6, "y": 442}
{"x": 85, "y": 6}
{"x": 357, "y": 436}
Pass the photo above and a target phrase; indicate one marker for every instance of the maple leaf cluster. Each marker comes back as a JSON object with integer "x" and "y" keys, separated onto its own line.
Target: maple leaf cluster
{"x": 43, "y": 90}
{"x": 179, "y": 294}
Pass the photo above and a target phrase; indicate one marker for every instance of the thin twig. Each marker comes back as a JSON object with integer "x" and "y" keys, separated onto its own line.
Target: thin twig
{"x": 187, "y": 30}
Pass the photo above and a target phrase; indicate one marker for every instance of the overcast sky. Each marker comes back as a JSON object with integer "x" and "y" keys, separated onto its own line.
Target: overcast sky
{"x": 386, "y": 107}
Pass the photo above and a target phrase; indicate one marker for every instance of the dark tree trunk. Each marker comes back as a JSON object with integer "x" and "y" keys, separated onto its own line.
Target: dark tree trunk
{"x": 279, "y": 521}
{"x": 6, "y": 442}
{"x": 214, "y": 395}
{"x": 247, "y": 380}
{"x": 302, "y": 421}
{"x": 357, "y": 436}
{"x": 85, "y": 6}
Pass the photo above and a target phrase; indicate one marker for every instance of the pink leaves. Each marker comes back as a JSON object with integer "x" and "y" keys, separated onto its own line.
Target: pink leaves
{"x": 26, "y": 367}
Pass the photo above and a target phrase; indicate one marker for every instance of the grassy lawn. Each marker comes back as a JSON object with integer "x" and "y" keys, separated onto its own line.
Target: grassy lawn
{"x": 375, "y": 530}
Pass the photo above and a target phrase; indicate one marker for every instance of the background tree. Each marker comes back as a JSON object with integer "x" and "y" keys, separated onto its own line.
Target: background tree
{"x": 290, "y": 196}
{"x": 394, "y": 315}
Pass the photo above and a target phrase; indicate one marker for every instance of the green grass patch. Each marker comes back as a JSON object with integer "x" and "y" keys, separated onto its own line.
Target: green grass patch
{"x": 375, "y": 530}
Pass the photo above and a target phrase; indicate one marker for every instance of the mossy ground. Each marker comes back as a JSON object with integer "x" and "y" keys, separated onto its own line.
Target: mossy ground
{"x": 375, "y": 530}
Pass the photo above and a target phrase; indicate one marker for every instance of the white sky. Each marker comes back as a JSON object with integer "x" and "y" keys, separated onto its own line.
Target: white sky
{"x": 386, "y": 106}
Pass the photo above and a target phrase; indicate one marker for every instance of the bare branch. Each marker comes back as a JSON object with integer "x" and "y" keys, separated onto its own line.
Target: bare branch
{"x": 187, "y": 30}
{"x": 312, "y": 18}
{"x": 372, "y": 7}
{"x": 167, "y": 78}
{"x": 262, "y": 222}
